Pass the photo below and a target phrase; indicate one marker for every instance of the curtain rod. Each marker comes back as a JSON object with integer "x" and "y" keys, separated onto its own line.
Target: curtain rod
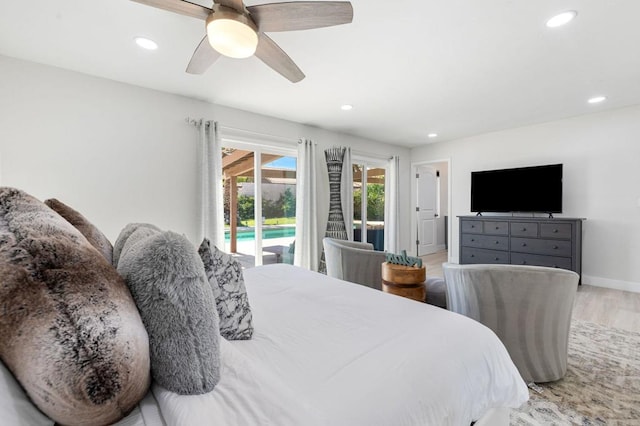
{"x": 192, "y": 121}
{"x": 235, "y": 131}
{"x": 369, "y": 155}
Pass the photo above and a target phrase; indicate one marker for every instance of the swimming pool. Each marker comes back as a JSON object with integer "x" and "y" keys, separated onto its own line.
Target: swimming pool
{"x": 250, "y": 234}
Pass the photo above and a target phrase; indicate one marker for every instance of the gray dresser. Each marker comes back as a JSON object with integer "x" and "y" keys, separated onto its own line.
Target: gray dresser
{"x": 522, "y": 241}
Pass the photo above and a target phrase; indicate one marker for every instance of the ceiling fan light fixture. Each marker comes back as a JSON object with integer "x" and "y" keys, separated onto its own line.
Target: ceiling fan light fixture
{"x": 231, "y": 33}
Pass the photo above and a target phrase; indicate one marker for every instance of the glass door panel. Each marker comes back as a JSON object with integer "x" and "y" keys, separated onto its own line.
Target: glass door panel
{"x": 368, "y": 203}
{"x": 278, "y": 194}
{"x": 375, "y": 207}
{"x": 358, "y": 173}
{"x": 239, "y": 203}
{"x": 260, "y": 220}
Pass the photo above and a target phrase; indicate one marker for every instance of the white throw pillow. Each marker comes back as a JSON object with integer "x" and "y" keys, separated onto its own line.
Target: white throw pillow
{"x": 225, "y": 277}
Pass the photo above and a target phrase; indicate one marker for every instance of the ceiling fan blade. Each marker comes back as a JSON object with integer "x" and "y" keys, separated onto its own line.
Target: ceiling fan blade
{"x": 234, "y": 4}
{"x": 179, "y": 6}
{"x": 272, "y": 55}
{"x": 202, "y": 58}
{"x": 301, "y": 15}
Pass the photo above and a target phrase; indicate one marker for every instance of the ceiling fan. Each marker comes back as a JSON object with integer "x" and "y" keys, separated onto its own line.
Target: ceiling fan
{"x": 237, "y": 31}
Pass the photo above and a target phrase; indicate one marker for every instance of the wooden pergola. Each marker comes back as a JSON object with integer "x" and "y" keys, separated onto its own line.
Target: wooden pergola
{"x": 375, "y": 175}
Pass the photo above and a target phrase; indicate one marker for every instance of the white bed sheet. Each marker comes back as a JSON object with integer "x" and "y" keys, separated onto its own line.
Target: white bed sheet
{"x": 334, "y": 353}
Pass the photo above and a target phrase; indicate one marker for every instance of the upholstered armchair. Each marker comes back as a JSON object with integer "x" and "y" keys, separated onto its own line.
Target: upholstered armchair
{"x": 354, "y": 261}
{"x": 528, "y": 307}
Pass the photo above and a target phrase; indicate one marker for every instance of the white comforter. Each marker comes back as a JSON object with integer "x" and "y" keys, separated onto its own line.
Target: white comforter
{"x": 327, "y": 352}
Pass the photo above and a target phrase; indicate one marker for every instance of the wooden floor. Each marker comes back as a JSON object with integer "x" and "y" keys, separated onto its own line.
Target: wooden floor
{"x": 611, "y": 308}
{"x": 433, "y": 263}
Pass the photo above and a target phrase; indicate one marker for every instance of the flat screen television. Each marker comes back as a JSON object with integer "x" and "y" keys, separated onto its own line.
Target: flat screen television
{"x": 535, "y": 189}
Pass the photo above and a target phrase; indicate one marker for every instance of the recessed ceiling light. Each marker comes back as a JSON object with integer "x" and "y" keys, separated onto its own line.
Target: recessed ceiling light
{"x": 561, "y": 19}
{"x": 597, "y": 99}
{"x": 432, "y": 135}
{"x": 146, "y": 43}
{"x": 346, "y": 107}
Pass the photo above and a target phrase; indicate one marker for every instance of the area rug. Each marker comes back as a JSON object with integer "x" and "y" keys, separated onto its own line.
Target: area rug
{"x": 602, "y": 385}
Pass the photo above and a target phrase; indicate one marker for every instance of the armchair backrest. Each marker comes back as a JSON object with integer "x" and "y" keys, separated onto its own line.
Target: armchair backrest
{"x": 528, "y": 307}
{"x": 354, "y": 261}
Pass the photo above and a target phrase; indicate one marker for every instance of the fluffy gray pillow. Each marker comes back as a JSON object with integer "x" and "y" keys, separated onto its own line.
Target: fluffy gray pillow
{"x": 95, "y": 236}
{"x": 69, "y": 328}
{"x": 225, "y": 277}
{"x": 168, "y": 283}
{"x": 126, "y": 232}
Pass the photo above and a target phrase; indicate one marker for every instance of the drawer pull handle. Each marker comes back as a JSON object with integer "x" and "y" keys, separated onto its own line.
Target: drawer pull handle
{"x": 497, "y": 227}
{"x": 555, "y": 247}
{"x": 496, "y": 259}
{"x": 524, "y": 229}
{"x": 555, "y": 266}
{"x": 555, "y": 231}
{"x": 497, "y": 242}
{"x": 524, "y": 244}
{"x": 524, "y": 262}
{"x": 473, "y": 226}
{"x": 473, "y": 255}
{"x": 473, "y": 239}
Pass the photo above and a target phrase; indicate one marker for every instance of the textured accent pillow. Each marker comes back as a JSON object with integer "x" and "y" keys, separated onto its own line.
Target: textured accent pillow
{"x": 69, "y": 330}
{"x": 225, "y": 277}
{"x": 168, "y": 282}
{"x": 95, "y": 237}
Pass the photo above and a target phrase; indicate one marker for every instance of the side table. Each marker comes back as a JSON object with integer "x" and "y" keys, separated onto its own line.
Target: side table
{"x": 406, "y": 281}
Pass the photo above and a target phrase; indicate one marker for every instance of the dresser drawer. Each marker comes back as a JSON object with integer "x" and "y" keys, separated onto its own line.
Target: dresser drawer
{"x": 524, "y": 229}
{"x": 486, "y": 241}
{"x": 471, "y": 226}
{"x": 521, "y": 240}
{"x": 546, "y": 247}
{"x": 496, "y": 228}
{"x": 555, "y": 230}
{"x": 477, "y": 255}
{"x": 539, "y": 260}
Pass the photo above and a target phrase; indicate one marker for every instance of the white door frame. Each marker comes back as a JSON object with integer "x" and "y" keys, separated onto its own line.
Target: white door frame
{"x": 414, "y": 203}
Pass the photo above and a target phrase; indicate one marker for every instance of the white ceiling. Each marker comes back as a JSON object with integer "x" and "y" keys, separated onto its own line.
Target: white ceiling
{"x": 409, "y": 67}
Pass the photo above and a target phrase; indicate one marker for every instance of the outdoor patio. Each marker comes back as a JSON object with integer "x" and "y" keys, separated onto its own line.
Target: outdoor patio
{"x": 246, "y": 249}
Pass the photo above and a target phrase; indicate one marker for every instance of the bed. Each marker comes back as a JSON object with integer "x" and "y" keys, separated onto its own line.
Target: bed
{"x": 353, "y": 356}
{"x": 328, "y": 352}
{"x": 84, "y": 338}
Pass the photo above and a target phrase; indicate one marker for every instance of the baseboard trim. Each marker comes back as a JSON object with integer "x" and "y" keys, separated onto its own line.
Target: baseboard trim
{"x": 609, "y": 283}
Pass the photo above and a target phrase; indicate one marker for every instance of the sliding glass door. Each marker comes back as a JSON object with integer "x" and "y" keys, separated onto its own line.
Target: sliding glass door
{"x": 368, "y": 202}
{"x": 259, "y": 204}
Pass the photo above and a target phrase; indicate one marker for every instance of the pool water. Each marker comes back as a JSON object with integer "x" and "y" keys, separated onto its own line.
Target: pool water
{"x": 250, "y": 234}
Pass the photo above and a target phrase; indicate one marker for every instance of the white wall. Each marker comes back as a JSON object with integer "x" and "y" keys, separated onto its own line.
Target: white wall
{"x": 601, "y": 157}
{"x": 120, "y": 153}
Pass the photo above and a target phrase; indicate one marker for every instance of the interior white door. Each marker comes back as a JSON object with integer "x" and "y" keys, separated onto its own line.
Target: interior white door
{"x": 427, "y": 186}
